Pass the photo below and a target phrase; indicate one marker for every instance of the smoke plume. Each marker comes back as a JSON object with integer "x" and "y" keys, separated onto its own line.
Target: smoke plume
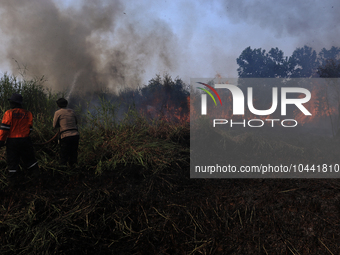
{"x": 115, "y": 43}
{"x": 314, "y": 23}
{"x": 96, "y": 45}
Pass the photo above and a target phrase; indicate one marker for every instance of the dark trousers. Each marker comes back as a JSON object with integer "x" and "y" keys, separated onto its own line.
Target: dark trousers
{"x": 69, "y": 150}
{"x": 20, "y": 149}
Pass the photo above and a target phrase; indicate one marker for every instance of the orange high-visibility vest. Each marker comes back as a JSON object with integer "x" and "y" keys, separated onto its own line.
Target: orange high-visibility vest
{"x": 16, "y": 123}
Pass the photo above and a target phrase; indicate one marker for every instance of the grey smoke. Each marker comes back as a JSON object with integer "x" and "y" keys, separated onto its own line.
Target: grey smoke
{"x": 116, "y": 43}
{"x": 98, "y": 41}
{"x": 313, "y": 22}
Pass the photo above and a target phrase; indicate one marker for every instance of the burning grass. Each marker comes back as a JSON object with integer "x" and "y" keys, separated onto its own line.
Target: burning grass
{"x": 131, "y": 194}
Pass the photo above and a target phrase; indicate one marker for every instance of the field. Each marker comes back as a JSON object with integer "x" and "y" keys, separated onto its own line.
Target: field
{"x": 131, "y": 192}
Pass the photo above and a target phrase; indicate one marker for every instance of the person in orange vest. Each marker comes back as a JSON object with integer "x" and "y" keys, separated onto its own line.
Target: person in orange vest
{"x": 16, "y": 126}
{"x": 66, "y": 120}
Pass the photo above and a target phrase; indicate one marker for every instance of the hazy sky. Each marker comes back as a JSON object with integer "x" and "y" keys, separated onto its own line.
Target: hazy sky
{"x": 125, "y": 43}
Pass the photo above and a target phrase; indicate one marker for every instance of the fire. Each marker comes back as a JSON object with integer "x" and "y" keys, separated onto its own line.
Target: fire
{"x": 169, "y": 110}
{"x": 321, "y": 105}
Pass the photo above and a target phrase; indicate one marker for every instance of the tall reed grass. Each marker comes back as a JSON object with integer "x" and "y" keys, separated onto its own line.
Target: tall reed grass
{"x": 106, "y": 140}
{"x": 126, "y": 149}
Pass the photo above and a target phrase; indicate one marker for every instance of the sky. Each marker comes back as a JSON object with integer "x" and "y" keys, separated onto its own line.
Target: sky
{"x": 114, "y": 44}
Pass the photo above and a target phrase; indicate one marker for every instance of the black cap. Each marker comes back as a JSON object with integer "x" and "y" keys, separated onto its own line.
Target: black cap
{"x": 62, "y": 102}
{"x": 16, "y": 98}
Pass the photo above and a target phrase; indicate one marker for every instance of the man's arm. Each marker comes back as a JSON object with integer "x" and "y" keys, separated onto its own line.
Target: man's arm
{"x": 30, "y": 122}
{"x": 5, "y": 127}
{"x": 56, "y": 120}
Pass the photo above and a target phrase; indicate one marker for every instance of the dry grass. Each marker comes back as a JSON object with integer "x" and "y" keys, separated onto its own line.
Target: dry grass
{"x": 132, "y": 194}
{"x": 136, "y": 209}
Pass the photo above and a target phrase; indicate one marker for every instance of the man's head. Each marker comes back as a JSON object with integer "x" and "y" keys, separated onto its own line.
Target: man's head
{"x": 62, "y": 102}
{"x": 15, "y": 100}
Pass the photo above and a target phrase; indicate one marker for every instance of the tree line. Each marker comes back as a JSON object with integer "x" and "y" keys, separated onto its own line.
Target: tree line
{"x": 303, "y": 63}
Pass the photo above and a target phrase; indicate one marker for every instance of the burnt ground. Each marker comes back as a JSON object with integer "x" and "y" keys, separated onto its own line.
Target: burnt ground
{"x": 169, "y": 213}
{"x": 134, "y": 210}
